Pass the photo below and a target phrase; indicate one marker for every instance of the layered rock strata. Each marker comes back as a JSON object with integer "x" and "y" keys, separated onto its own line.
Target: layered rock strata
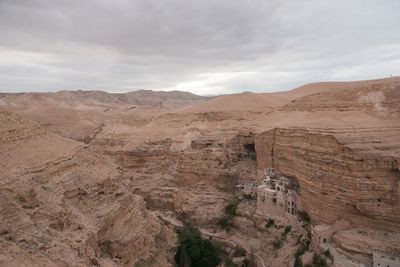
{"x": 341, "y": 175}
{"x": 64, "y": 204}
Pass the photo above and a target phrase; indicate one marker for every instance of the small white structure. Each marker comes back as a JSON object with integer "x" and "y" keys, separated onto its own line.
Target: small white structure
{"x": 382, "y": 260}
{"x": 269, "y": 172}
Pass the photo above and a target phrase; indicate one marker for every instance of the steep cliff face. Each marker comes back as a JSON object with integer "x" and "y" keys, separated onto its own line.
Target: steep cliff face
{"x": 341, "y": 175}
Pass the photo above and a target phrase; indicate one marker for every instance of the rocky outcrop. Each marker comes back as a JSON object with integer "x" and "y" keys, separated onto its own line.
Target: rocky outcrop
{"x": 341, "y": 176}
{"x": 15, "y": 128}
{"x": 64, "y": 204}
{"x": 198, "y": 181}
{"x": 360, "y": 243}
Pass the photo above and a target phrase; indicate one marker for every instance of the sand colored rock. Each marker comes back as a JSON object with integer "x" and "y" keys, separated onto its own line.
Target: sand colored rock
{"x": 339, "y": 141}
{"x": 62, "y": 205}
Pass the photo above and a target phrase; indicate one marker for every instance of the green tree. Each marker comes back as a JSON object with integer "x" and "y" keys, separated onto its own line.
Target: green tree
{"x": 223, "y": 222}
{"x": 298, "y": 262}
{"x": 231, "y": 209}
{"x": 270, "y": 223}
{"x": 318, "y": 261}
{"x": 304, "y": 215}
{"x": 194, "y": 251}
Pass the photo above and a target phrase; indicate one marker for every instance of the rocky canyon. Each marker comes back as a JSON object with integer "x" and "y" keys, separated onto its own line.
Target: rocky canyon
{"x": 89, "y": 178}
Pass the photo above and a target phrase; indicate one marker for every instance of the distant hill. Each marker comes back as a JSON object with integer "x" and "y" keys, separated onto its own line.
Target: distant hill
{"x": 321, "y": 87}
{"x": 72, "y": 98}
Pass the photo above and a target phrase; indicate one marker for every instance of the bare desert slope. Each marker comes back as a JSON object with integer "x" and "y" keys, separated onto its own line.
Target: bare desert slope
{"x": 238, "y": 103}
{"x": 77, "y": 114}
{"x": 64, "y": 204}
{"x": 321, "y": 87}
{"x": 339, "y": 141}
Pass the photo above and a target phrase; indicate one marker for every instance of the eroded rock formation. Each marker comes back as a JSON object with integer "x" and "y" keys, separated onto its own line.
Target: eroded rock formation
{"x": 64, "y": 204}
{"x": 336, "y": 181}
{"x": 66, "y": 201}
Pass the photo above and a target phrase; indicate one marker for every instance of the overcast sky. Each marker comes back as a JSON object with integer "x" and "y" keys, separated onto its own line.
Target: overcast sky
{"x": 204, "y": 46}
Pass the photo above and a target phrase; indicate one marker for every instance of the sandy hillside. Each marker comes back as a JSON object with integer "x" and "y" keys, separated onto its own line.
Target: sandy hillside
{"x": 93, "y": 163}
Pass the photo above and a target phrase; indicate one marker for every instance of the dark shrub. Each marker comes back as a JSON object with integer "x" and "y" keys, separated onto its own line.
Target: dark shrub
{"x": 270, "y": 223}
{"x": 304, "y": 215}
{"x": 193, "y": 250}
{"x": 318, "y": 261}
{"x": 287, "y": 229}
{"x": 298, "y": 262}
{"x": 231, "y": 209}
{"x": 223, "y": 222}
{"x": 301, "y": 251}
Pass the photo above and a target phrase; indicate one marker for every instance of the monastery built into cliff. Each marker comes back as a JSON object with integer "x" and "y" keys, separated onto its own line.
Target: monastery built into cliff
{"x": 275, "y": 194}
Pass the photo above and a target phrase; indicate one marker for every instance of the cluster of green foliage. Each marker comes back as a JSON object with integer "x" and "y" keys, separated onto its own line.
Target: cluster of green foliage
{"x": 307, "y": 243}
{"x": 270, "y": 223}
{"x": 304, "y": 215}
{"x": 239, "y": 252}
{"x": 318, "y": 261}
{"x": 300, "y": 251}
{"x": 328, "y": 254}
{"x": 222, "y": 254}
{"x": 223, "y": 222}
{"x": 304, "y": 247}
{"x": 231, "y": 209}
{"x": 193, "y": 251}
{"x": 287, "y": 230}
{"x": 298, "y": 262}
{"x": 307, "y": 226}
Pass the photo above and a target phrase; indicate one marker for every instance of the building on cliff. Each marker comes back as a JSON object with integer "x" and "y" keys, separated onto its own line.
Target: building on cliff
{"x": 276, "y": 191}
{"x": 270, "y": 172}
{"x": 277, "y": 197}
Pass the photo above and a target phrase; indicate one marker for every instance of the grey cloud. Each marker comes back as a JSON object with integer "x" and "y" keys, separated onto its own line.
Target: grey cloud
{"x": 201, "y": 46}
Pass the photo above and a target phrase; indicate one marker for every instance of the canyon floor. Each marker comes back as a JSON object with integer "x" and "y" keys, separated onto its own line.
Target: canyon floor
{"x": 89, "y": 178}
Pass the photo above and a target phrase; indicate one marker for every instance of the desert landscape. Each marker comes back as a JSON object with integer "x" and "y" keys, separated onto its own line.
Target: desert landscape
{"x": 89, "y": 178}
{"x": 184, "y": 133}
